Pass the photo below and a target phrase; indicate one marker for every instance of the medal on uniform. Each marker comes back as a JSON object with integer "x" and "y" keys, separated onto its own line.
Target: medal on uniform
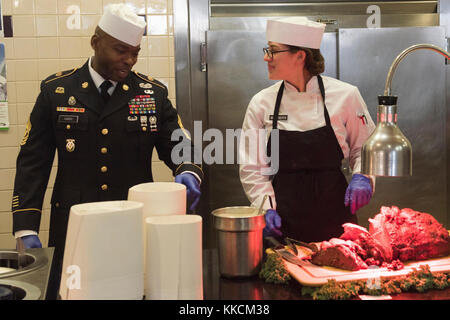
{"x": 148, "y": 91}
{"x": 72, "y": 101}
{"x": 132, "y": 118}
{"x": 153, "y": 121}
{"x": 59, "y": 90}
{"x": 142, "y": 104}
{"x": 144, "y": 85}
{"x": 70, "y": 145}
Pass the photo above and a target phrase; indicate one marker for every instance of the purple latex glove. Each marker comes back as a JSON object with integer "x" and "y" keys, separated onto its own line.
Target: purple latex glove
{"x": 359, "y": 192}
{"x": 273, "y": 224}
{"x": 192, "y": 188}
{"x": 31, "y": 241}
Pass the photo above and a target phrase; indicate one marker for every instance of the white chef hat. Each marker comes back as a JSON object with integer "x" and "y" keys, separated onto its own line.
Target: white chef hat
{"x": 295, "y": 31}
{"x": 122, "y": 23}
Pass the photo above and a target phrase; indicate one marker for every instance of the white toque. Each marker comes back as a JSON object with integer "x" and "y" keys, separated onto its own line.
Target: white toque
{"x": 122, "y": 23}
{"x": 295, "y": 31}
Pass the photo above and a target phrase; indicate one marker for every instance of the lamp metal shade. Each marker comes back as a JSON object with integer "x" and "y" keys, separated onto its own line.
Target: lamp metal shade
{"x": 387, "y": 152}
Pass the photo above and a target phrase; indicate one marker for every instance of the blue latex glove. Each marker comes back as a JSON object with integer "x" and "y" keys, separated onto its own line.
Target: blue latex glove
{"x": 273, "y": 224}
{"x": 359, "y": 192}
{"x": 31, "y": 241}
{"x": 192, "y": 188}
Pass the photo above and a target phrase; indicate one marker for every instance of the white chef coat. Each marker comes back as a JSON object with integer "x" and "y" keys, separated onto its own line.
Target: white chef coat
{"x": 349, "y": 118}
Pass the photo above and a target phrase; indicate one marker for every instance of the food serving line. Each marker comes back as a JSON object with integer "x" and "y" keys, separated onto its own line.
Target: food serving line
{"x": 216, "y": 287}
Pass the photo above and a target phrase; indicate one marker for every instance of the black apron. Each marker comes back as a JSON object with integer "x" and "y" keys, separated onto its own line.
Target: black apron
{"x": 310, "y": 186}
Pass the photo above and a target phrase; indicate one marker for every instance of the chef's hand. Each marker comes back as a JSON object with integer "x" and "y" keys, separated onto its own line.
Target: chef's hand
{"x": 192, "y": 188}
{"x": 359, "y": 192}
{"x": 31, "y": 241}
{"x": 273, "y": 224}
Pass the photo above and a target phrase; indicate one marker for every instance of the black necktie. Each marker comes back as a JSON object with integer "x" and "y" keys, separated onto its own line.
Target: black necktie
{"x": 104, "y": 90}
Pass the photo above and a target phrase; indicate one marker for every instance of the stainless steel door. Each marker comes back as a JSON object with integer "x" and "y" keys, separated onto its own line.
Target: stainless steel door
{"x": 365, "y": 56}
{"x": 236, "y": 72}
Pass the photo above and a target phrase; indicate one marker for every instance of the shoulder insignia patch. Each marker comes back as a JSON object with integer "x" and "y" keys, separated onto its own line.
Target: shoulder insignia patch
{"x": 60, "y": 74}
{"x": 149, "y": 79}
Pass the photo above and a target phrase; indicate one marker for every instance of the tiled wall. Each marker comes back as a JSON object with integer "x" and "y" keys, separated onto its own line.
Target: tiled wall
{"x": 54, "y": 35}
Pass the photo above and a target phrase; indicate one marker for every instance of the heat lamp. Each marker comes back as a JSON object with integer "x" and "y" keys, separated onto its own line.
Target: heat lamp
{"x": 387, "y": 152}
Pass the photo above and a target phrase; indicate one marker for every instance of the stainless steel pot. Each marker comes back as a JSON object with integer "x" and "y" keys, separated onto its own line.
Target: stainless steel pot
{"x": 240, "y": 240}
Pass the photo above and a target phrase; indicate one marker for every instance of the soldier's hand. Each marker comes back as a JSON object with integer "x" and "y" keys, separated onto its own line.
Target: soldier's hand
{"x": 31, "y": 241}
{"x": 192, "y": 188}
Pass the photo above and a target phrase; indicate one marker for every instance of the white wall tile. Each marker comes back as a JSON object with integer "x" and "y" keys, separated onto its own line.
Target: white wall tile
{"x": 69, "y": 25}
{"x": 23, "y": 114}
{"x": 141, "y": 66}
{"x": 70, "y": 47}
{"x": 7, "y": 179}
{"x": 69, "y": 64}
{"x": 47, "y": 25}
{"x": 23, "y": 7}
{"x": 170, "y": 25}
{"x": 5, "y": 223}
{"x": 159, "y": 67}
{"x": 10, "y": 70}
{"x": 87, "y": 50}
{"x": 91, "y": 6}
{"x": 48, "y": 48}
{"x": 8, "y": 138}
{"x": 47, "y": 7}
{"x": 156, "y": 6}
{"x": 48, "y": 67}
{"x": 161, "y": 173}
{"x": 26, "y": 70}
{"x": 25, "y": 48}
{"x": 12, "y": 113}
{"x": 158, "y": 46}
{"x": 11, "y": 88}
{"x": 7, "y": 8}
{"x": 157, "y": 25}
{"x": 5, "y": 200}
{"x": 7, "y": 241}
{"x": 171, "y": 88}
{"x": 9, "y": 47}
{"x": 27, "y": 91}
{"x": 106, "y": 2}
{"x": 24, "y": 26}
{"x": 67, "y": 6}
{"x": 88, "y": 24}
{"x": 138, "y": 5}
{"x": 172, "y": 67}
{"x": 8, "y": 157}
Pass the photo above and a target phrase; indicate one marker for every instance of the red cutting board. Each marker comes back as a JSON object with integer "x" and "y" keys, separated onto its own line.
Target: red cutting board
{"x": 312, "y": 275}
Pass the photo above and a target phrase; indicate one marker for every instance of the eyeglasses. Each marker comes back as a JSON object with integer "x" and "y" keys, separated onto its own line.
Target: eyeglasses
{"x": 270, "y": 53}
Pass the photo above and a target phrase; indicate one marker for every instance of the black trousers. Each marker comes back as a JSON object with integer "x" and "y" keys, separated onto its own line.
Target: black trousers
{"x": 57, "y": 238}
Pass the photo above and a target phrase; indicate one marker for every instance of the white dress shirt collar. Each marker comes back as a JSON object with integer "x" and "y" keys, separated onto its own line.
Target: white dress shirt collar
{"x": 98, "y": 79}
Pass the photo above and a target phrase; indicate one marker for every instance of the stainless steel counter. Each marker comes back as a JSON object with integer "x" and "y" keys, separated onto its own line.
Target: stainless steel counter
{"x": 30, "y": 282}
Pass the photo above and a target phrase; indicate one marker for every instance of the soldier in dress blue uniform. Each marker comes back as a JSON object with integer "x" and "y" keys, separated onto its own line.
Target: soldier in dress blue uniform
{"x": 104, "y": 120}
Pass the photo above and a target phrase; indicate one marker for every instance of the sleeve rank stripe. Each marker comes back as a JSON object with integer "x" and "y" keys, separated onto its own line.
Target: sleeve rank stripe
{"x": 62, "y": 76}
{"x": 189, "y": 163}
{"x": 30, "y": 209}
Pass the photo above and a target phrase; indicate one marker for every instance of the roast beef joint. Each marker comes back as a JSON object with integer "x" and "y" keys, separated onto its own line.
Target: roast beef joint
{"x": 394, "y": 236}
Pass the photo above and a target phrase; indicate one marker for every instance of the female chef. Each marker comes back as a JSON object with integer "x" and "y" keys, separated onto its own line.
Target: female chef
{"x": 320, "y": 121}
